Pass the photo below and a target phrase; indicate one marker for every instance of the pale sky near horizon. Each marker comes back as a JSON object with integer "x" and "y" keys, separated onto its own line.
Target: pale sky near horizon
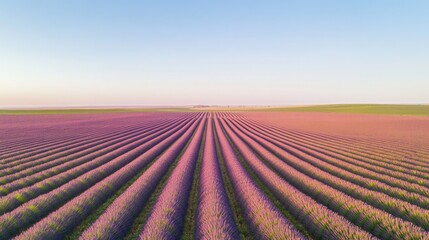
{"x": 104, "y": 53}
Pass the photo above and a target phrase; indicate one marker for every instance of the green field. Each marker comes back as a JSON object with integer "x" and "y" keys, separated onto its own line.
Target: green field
{"x": 87, "y": 111}
{"x": 385, "y": 109}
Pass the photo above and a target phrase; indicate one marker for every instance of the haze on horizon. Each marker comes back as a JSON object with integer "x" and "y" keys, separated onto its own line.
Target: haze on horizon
{"x": 119, "y": 53}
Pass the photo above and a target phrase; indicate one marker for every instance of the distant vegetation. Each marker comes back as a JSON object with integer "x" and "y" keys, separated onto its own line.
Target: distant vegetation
{"x": 87, "y": 111}
{"x": 388, "y": 109}
{"x": 392, "y": 109}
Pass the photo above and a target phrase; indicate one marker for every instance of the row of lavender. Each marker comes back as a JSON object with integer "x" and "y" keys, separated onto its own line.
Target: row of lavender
{"x": 20, "y": 209}
{"x": 288, "y": 184}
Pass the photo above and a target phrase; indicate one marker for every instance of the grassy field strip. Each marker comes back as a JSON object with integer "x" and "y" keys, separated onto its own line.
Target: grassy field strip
{"x": 90, "y": 111}
{"x": 386, "y": 109}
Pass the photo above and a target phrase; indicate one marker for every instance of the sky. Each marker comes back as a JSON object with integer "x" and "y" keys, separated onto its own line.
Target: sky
{"x": 236, "y": 52}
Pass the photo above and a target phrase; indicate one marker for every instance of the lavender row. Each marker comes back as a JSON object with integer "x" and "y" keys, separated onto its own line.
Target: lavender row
{"x": 320, "y": 221}
{"x": 360, "y": 145}
{"x": 29, "y": 144}
{"x": 115, "y": 222}
{"x": 368, "y": 183}
{"x": 29, "y": 168}
{"x": 396, "y": 207}
{"x": 214, "y": 215}
{"x": 99, "y": 133}
{"x": 60, "y": 150}
{"x": 13, "y": 200}
{"x": 34, "y": 210}
{"x": 357, "y": 168}
{"x": 264, "y": 217}
{"x": 378, "y": 153}
{"x": 32, "y": 142}
{"x": 362, "y": 171}
{"x": 45, "y": 151}
{"x": 367, "y": 217}
{"x": 167, "y": 216}
{"x": 380, "y": 160}
{"x": 57, "y": 224}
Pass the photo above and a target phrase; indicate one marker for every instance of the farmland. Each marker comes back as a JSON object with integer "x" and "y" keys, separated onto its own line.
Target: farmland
{"x": 121, "y": 174}
{"x": 387, "y": 109}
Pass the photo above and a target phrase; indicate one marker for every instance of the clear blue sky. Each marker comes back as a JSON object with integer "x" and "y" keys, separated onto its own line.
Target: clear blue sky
{"x": 87, "y": 53}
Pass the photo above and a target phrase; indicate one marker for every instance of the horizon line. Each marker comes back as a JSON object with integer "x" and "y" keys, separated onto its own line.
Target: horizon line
{"x": 47, "y": 107}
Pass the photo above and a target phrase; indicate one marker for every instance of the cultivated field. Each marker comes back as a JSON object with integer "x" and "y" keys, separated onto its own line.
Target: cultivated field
{"x": 213, "y": 175}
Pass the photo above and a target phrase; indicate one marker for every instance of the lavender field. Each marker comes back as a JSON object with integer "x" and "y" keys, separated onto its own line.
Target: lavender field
{"x": 213, "y": 175}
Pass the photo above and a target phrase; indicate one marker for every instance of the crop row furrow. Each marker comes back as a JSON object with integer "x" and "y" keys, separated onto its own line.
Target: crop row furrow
{"x": 61, "y": 174}
{"x": 368, "y": 149}
{"x": 106, "y": 128}
{"x": 354, "y": 167}
{"x": 167, "y": 216}
{"x": 34, "y": 210}
{"x": 27, "y": 169}
{"x": 376, "y": 160}
{"x": 57, "y": 224}
{"x": 44, "y": 155}
{"x": 379, "y": 154}
{"x": 267, "y": 222}
{"x": 9, "y": 149}
{"x": 367, "y": 217}
{"x": 369, "y": 183}
{"x": 350, "y": 144}
{"x": 31, "y": 154}
{"x": 396, "y": 207}
{"x": 319, "y": 220}
{"x": 117, "y": 219}
{"x": 214, "y": 215}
